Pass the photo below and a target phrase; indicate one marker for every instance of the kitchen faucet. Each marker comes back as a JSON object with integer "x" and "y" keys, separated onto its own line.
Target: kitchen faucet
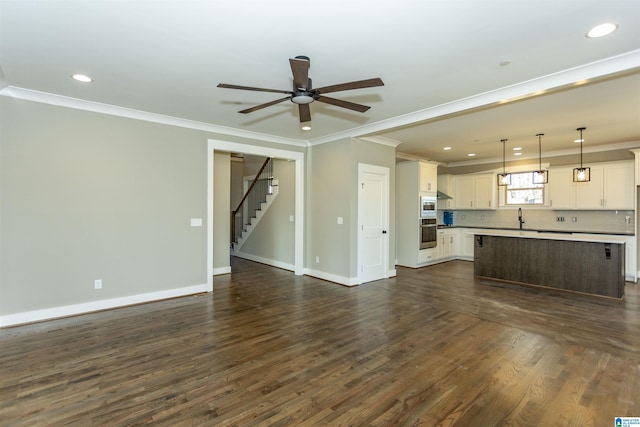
{"x": 520, "y": 217}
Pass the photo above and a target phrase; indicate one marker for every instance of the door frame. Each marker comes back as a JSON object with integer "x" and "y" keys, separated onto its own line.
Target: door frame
{"x": 362, "y": 168}
{"x": 234, "y": 147}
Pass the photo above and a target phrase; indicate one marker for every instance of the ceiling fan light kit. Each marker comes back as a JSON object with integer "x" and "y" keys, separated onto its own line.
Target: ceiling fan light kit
{"x": 303, "y": 94}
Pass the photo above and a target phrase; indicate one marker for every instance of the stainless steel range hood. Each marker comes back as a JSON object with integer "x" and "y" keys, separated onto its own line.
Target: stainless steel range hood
{"x": 443, "y": 196}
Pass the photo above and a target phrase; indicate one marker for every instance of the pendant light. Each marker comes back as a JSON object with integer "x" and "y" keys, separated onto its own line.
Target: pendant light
{"x": 540, "y": 176}
{"x": 504, "y": 178}
{"x": 581, "y": 174}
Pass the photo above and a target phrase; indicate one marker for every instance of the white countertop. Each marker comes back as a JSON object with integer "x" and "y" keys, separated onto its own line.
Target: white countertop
{"x": 577, "y": 237}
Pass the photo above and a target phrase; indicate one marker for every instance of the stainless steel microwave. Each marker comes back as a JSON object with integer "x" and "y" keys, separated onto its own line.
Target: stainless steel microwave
{"x": 428, "y": 206}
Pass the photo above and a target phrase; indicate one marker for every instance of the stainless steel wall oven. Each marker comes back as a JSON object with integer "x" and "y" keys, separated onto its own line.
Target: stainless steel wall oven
{"x": 428, "y": 222}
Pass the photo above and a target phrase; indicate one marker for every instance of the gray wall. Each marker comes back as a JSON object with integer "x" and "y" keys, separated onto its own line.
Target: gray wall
{"x": 333, "y": 192}
{"x": 87, "y": 196}
{"x": 329, "y": 192}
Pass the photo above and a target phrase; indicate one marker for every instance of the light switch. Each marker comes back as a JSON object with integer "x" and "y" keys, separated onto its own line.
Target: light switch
{"x": 196, "y": 222}
{"x": 290, "y": 218}
{"x": 340, "y": 220}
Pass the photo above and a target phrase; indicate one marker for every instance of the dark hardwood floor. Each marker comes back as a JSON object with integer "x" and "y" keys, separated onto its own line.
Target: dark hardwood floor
{"x": 431, "y": 347}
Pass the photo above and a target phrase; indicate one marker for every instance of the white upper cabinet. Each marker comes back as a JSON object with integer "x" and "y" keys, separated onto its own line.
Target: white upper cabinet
{"x": 484, "y": 192}
{"x": 611, "y": 187}
{"x": 561, "y": 194}
{"x": 428, "y": 177}
{"x": 464, "y": 189}
{"x": 589, "y": 194}
{"x": 475, "y": 191}
{"x": 619, "y": 187}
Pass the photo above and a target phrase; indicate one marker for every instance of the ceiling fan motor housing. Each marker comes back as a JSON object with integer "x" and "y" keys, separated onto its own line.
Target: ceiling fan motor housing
{"x": 303, "y": 95}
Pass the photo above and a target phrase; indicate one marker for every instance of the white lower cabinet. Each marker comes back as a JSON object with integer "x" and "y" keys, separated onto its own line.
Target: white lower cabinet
{"x": 466, "y": 251}
{"x": 427, "y": 256}
{"x": 447, "y": 243}
{"x": 631, "y": 264}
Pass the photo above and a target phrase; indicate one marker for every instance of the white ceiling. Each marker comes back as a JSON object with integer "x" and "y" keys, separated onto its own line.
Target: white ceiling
{"x": 439, "y": 60}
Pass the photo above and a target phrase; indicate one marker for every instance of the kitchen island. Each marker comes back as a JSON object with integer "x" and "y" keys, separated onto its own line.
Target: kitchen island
{"x": 582, "y": 263}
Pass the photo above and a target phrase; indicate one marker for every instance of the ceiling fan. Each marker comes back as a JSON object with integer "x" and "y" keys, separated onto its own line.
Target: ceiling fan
{"x": 303, "y": 94}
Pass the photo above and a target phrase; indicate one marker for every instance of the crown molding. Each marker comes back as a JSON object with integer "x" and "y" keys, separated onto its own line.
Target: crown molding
{"x": 383, "y": 140}
{"x": 113, "y": 110}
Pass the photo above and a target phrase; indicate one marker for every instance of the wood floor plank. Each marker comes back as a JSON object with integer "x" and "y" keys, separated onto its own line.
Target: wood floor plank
{"x": 433, "y": 347}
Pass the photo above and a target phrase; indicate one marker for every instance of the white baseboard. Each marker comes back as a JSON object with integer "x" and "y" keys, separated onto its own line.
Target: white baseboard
{"x": 221, "y": 270}
{"x": 331, "y": 277}
{"x": 88, "y": 307}
{"x": 267, "y": 261}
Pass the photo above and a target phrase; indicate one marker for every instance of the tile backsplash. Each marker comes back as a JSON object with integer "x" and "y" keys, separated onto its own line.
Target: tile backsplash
{"x": 615, "y": 222}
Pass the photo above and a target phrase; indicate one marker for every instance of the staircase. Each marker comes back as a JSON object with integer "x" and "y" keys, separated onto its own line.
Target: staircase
{"x": 256, "y": 201}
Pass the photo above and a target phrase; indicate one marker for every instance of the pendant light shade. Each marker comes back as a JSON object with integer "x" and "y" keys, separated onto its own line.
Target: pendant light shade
{"x": 581, "y": 174}
{"x": 540, "y": 176}
{"x": 504, "y": 178}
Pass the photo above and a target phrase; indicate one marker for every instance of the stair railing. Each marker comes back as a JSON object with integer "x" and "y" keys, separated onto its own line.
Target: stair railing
{"x": 251, "y": 201}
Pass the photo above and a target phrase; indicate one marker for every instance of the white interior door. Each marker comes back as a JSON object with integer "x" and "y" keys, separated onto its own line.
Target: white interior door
{"x": 373, "y": 223}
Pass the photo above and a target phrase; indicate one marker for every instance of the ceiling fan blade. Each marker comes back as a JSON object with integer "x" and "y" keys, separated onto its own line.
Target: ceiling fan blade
{"x": 300, "y": 70}
{"x": 344, "y": 104}
{"x": 257, "y": 89}
{"x": 305, "y": 113}
{"x": 360, "y": 84}
{"x": 261, "y": 106}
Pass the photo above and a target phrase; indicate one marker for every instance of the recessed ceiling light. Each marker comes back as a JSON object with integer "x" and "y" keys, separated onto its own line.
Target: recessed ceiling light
{"x": 447, "y": 148}
{"x": 81, "y": 78}
{"x": 306, "y": 127}
{"x": 519, "y": 153}
{"x": 602, "y": 30}
{"x": 517, "y": 148}
{"x": 471, "y": 154}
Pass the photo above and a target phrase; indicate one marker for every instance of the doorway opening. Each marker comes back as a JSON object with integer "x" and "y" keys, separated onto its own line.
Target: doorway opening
{"x": 298, "y": 215}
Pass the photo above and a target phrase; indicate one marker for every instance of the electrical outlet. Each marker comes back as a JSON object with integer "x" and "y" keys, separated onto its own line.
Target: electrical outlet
{"x": 574, "y": 219}
{"x": 317, "y": 259}
{"x": 560, "y": 218}
{"x": 97, "y": 284}
{"x": 627, "y": 220}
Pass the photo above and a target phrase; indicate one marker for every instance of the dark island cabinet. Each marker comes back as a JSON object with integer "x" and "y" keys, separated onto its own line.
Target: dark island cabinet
{"x": 588, "y": 267}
